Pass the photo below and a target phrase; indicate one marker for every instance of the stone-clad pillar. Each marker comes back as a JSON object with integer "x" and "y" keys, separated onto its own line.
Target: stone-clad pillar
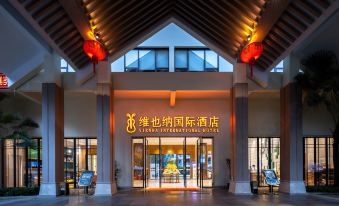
{"x": 105, "y": 150}
{"x": 291, "y": 136}
{"x": 52, "y": 139}
{"x": 240, "y": 176}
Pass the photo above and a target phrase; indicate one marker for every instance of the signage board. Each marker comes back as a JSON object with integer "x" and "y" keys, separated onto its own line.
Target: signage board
{"x": 171, "y": 124}
{"x": 3, "y": 81}
{"x": 271, "y": 178}
{"x": 86, "y": 178}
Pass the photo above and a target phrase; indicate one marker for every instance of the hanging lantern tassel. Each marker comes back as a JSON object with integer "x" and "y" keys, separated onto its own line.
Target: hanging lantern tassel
{"x": 95, "y": 62}
{"x": 251, "y": 63}
{"x": 95, "y": 51}
{"x": 251, "y": 53}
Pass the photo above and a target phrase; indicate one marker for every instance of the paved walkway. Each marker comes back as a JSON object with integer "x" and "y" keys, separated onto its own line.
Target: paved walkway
{"x": 203, "y": 198}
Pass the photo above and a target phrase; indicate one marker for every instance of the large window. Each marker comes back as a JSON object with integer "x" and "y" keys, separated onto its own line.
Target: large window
{"x": 318, "y": 161}
{"x": 146, "y": 60}
{"x": 65, "y": 67}
{"x": 80, "y": 155}
{"x": 196, "y": 60}
{"x": 22, "y": 166}
{"x": 279, "y": 67}
{"x": 263, "y": 153}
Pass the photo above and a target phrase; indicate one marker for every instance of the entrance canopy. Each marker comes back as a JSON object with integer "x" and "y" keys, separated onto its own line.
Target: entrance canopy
{"x": 224, "y": 26}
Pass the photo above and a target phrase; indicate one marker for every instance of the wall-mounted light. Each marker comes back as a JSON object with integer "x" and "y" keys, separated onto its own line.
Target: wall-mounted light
{"x": 172, "y": 98}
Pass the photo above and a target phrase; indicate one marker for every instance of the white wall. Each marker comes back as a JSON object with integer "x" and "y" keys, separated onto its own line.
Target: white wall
{"x": 26, "y": 108}
{"x": 80, "y": 114}
{"x": 264, "y": 115}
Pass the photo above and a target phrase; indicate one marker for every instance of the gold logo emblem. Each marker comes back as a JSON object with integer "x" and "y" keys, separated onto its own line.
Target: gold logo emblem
{"x": 131, "y": 123}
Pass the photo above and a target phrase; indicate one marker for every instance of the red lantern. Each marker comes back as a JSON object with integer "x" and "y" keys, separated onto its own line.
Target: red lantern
{"x": 3, "y": 81}
{"x": 251, "y": 53}
{"x": 95, "y": 51}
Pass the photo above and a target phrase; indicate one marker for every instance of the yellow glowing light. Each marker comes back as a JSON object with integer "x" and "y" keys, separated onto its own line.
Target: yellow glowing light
{"x": 172, "y": 124}
{"x": 130, "y": 128}
{"x": 90, "y": 35}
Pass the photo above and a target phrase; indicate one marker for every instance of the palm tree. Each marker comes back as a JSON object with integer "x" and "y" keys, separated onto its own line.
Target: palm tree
{"x": 15, "y": 127}
{"x": 319, "y": 80}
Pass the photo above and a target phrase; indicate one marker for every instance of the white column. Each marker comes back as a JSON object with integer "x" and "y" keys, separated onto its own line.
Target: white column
{"x": 240, "y": 176}
{"x": 106, "y": 184}
{"x": 52, "y": 126}
{"x": 52, "y": 139}
{"x": 291, "y": 137}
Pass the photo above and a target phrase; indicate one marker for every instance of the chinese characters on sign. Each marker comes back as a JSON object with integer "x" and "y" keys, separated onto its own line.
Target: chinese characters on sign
{"x": 3, "y": 81}
{"x": 169, "y": 124}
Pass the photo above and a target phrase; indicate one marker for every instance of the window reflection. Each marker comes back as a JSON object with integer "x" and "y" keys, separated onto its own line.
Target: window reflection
{"x": 263, "y": 153}
{"x": 80, "y": 155}
{"x": 318, "y": 169}
{"x": 196, "y": 60}
{"x": 146, "y": 60}
{"x": 22, "y": 166}
{"x": 131, "y": 60}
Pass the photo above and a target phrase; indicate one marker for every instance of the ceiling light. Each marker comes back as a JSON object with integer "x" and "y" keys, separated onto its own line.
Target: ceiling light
{"x": 97, "y": 36}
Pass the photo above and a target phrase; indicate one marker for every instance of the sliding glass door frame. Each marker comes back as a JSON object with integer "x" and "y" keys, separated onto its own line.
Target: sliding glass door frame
{"x": 200, "y": 166}
{"x": 259, "y": 157}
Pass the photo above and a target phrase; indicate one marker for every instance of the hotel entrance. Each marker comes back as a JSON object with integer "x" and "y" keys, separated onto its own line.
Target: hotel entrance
{"x": 172, "y": 162}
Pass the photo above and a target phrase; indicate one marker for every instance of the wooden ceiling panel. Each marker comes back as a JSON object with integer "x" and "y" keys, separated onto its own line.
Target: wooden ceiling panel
{"x": 225, "y": 24}
{"x": 296, "y": 19}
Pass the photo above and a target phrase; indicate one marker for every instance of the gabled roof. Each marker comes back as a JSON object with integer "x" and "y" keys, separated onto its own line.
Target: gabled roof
{"x": 225, "y": 25}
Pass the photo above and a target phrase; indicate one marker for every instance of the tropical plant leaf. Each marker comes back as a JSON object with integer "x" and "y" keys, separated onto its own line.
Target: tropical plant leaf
{"x": 2, "y": 96}
{"x": 10, "y": 118}
{"x": 28, "y": 122}
{"x": 319, "y": 80}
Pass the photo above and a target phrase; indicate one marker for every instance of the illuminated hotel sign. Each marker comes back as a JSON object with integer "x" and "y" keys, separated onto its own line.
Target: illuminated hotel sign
{"x": 3, "y": 81}
{"x": 171, "y": 124}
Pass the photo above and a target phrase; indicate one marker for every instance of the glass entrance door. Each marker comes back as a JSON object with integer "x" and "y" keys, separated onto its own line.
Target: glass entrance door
{"x": 152, "y": 162}
{"x": 172, "y": 162}
{"x": 205, "y": 162}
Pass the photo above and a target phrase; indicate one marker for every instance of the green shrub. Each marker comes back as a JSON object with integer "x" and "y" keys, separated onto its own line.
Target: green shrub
{"x": 19, "y": 191}
{"x": 327, "y": 189}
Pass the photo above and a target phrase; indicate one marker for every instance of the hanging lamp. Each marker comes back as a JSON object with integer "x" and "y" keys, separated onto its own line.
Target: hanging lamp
{"x": 95, "y": 51}
{"x": 251, "y": 53}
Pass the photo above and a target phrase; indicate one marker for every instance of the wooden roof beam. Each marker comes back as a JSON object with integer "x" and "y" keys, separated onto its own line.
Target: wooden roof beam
{"x": 76, "y": 14}
{"x": 21, "y": 9}
{"x": 318, "y": 21}
{"x": 272, "y": 12}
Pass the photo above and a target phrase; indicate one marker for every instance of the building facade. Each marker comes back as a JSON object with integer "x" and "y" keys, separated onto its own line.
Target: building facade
{"x": 172, "y": 112}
